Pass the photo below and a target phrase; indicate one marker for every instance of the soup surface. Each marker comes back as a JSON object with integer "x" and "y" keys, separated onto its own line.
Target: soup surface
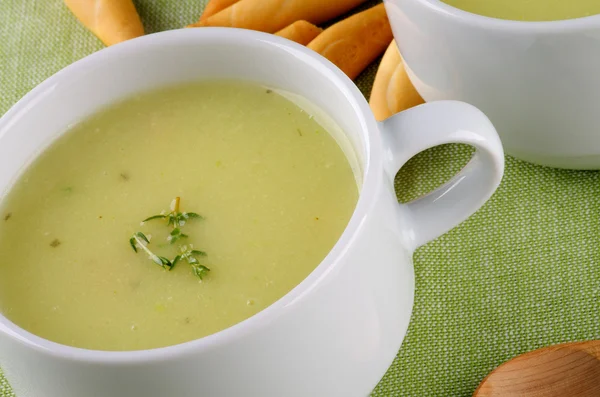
{"x": 273, "y": 185}
{"x": 529, "y": 10}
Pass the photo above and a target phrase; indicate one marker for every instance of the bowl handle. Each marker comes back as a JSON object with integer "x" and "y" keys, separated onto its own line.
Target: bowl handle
{"x": 414, "y": 130}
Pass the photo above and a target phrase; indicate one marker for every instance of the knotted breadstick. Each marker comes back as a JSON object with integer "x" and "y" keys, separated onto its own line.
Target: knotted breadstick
{"x": 215, "y": 6}
{"x": 300, "y": 31}
{"x": 112, "y": 21}
{"x": 273, "y": 15}
{"x": 355, "y": 42}
{"x": 392, "y": 90}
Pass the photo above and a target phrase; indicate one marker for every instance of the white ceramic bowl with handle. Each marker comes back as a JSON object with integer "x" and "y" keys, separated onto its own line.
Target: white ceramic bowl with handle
{"x": 337, "y": 332}
{"x": 537, "y": 81}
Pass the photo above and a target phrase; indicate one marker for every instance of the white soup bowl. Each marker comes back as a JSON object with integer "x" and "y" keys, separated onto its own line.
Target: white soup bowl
{"x": 337, "y": 332}
{"x": 538, "y": 82}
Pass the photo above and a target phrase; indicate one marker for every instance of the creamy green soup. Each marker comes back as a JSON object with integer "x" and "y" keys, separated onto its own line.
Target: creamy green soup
{"x": 529, "y": 10}
{"x": 272, "y": 184}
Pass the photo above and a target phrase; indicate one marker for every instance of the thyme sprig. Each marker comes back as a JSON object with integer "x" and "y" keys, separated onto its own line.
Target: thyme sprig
{"x": 177, "y": 220}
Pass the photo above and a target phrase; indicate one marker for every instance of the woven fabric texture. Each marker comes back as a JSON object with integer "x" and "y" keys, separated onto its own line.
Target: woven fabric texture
{"x": 522, "y": 273}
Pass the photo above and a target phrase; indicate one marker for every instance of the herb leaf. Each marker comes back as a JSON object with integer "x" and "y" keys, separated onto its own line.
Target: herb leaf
{"x": 132, "y": 243}
{"x": 200, "y": 271}
{"x": 165, "y": 262}
{"x": 160, "y": 216}
{"x": 143, "y": 237}
{"x": 175, "y": 235}
{"x": 156, "y": 259}
{"x": 177, "y": 258}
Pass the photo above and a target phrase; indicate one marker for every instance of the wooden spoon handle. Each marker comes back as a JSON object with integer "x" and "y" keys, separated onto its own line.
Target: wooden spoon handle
{"x": 571, "y": 369}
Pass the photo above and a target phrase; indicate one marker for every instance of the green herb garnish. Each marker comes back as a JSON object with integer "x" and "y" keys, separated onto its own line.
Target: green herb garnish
{"x": 189, "y": 254}
{"x": 176, "y": 220}
{"x": 139, "y": 239}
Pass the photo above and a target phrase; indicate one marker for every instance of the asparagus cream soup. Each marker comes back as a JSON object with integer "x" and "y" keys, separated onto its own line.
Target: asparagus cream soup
{"x": 245, "y": 191}
{"x": 529, "y": 10}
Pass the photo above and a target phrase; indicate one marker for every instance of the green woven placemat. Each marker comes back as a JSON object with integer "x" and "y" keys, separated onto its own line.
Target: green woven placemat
{"x": 522, "y": 273}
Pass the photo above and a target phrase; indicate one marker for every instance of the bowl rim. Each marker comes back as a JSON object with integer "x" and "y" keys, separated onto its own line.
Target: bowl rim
{"x": 507, "y": 25}
{"x": 372, "y": 176}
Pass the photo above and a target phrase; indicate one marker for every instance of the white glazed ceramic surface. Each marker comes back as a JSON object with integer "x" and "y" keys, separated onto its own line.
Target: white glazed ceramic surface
{"x": 338, "y": 331}
{"x": 538, "y": 82}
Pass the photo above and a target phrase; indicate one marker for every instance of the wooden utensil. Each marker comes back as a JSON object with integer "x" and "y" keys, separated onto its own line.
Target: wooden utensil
{"x": 570, "y": 369}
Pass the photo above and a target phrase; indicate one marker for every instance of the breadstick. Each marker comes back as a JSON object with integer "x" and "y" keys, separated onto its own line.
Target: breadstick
{"x": 300, "y": 31}
{"x": 112, "y": 21}
{"x": 273, "y": 15}
{"x": 392, "y": 90}
{"x": 355, "y": 42}
{"x": 215, "y": 6}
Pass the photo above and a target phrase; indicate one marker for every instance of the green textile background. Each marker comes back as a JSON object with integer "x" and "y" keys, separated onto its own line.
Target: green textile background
{"x": 522, "y": 273}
